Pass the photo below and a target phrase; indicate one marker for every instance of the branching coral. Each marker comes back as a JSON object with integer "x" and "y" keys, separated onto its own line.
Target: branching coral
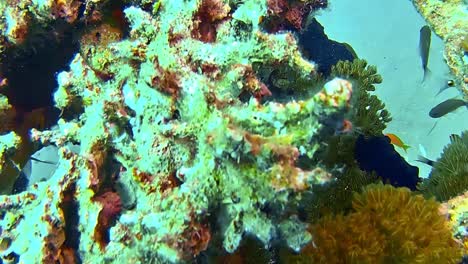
{"x": 449, "y": 176}
{"x": 320, "y": 202}
{"x": 388, "y": 225}
{"x": 368, "y": 114}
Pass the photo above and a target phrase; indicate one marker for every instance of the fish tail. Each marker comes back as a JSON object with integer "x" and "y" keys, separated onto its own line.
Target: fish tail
{"x": 425, "y": 160}
{"x": 405, "y": 147}
{"x": 427, "y": 72}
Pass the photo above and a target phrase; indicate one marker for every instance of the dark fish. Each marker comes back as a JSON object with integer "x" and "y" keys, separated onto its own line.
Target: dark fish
{"x": 376, "y": 153}
{"x": 446, "y": 107}
{"x": 424, "y": 46}
{"x": 453, "y": 139}
{"x": 425, "y": 160}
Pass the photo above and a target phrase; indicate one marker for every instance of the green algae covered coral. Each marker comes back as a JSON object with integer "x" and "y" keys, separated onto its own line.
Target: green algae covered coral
{"x": 449, "y": 175}
{"x": 387, "y": 225}
{"x": 158, "y": 117}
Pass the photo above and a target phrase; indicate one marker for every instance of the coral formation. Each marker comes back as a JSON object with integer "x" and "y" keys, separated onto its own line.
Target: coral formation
{"x": 283, "y": 13}
{"x": 368, "y": 114}
{"x": 449, "y": 20}
{"x": 172, "y": 129}
{"x": 449, "y": 175}
{"x": 199, "y": 131}
{"x": 387, "y": 225}
{"x": 456, "y": 210}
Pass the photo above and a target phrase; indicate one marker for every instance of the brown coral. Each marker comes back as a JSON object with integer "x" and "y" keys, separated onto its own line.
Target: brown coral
{"x": 66, "y": 9}
{"x": 111, "y": 208}
{"x": 286, "y": 13}
{"x": 209, "y": 15}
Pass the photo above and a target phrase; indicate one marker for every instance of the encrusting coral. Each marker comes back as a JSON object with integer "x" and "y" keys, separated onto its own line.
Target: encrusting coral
{"x": 387, "y": 225}
{"x": 456, "y": 210}
{"x": 449, "y": 20}
{"x": 449, "y": 175}
{"x": 166, "y": 143}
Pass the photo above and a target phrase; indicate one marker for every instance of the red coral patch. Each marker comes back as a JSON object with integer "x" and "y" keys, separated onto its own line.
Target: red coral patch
{"x": 111, "y": 208}
{"x": 209, "y": 15}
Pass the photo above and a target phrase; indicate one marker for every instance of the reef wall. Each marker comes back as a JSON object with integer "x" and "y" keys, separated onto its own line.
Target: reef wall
{"x": 180, "y": 139}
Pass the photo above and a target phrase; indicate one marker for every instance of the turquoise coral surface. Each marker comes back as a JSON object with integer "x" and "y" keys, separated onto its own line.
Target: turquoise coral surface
{"x": 170, "y": 158}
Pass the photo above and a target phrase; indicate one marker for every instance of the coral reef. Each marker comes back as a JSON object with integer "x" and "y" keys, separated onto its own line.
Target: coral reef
{"x": 172, "y": 129}
{"x": 449, "y": 20}
{"x": 283, "y": 14}
{"x": 456, "y": 210}
{"x": 387, "y": 225}
{"x": 449, "y": 175}
{"x": 368, "y": 114}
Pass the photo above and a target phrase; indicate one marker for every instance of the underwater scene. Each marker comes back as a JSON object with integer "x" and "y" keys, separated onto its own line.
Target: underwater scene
{"x": 233, "y": 131}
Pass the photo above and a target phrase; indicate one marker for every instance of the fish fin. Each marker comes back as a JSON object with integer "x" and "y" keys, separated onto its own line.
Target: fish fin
{"x": 432, "y": 128}
{"x": 422, "y": 150}
{"x": 427, "y": 72}
{"x": 405, "y": 147}
{"x": 425, "y": 160}
{"x": 443, "y": 89}
{"x": 43, "y": 161}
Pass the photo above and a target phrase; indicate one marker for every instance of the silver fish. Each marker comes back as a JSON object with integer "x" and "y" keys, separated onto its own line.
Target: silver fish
{"x": 424, "y": 46}
{"x": 446, "y": 107}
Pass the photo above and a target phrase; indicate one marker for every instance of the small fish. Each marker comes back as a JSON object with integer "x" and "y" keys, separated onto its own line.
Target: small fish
{"x": 446, "y": 107}
{"x": 424, "y": 46}
{"x": 450, "y": 83}
{"x": 21, "y": 121}
{"x": 395, "y": 140}
{"x": 425, "y": 160}
{"x": 377, "y": 154}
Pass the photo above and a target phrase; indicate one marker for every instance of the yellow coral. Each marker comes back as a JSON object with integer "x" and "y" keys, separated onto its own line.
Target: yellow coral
{"x": 388, "y": 225}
